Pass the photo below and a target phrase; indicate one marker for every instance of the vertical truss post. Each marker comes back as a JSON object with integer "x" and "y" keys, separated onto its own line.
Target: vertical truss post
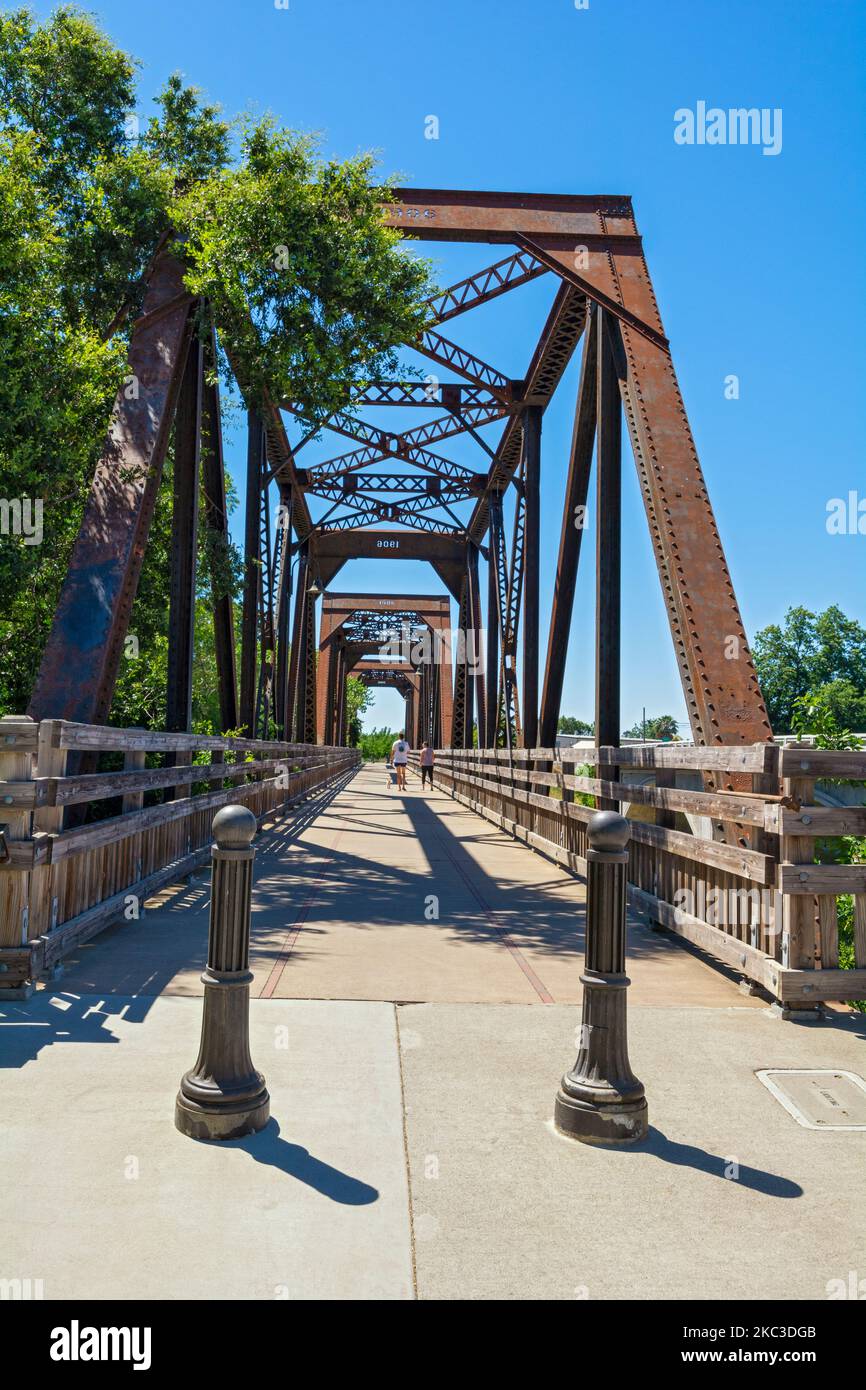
{"x": 307, "y": 704}
{"x": 477, "y": 633}
{"x": 342, "y": 731}
{"x": 184, "y": 542}
{"x": 468, "y": 683}
{"x": 458, "y": 727}
{"x": 505, "y": 711}
{"x": 92, "y": 615}
{"x": 573, "y": 522}
{"x": 608, "y": 548}
{"x": 326, "y": 676}
{"x": 446, "y": 685}
{"x": 282, "y": 619}
{"x": 252, "y": 572}
{"x": 298, "y": 629}
{"x": 216, "y": 515}
{"x": 531, "y": 555}
{"x": 492, "y": 655}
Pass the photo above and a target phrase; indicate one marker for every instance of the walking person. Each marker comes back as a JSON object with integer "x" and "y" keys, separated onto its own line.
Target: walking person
{"x": 400, "y": 757}
{"x": 426, "y": 761}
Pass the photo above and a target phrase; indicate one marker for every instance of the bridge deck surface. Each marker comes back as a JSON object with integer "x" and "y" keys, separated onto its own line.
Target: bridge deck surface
{"x": 410, "y": 1151}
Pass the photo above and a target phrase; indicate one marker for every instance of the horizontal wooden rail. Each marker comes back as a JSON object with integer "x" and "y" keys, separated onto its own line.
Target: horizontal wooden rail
{"x": 757, "y": 900}
{"x": 62, "y": 883}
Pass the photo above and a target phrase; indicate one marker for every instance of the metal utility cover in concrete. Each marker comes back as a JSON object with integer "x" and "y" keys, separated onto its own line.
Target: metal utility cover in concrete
{"x": 820, "y": 1099}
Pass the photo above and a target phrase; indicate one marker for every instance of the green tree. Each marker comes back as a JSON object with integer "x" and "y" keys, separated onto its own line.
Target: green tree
{"x": 660, "y": 726}
{"x": 806, "y": 653}
{"x": 306, "y": 282}
{"x": 358, "y": 697}
{"x": 567, "y": 724}
{"x": 376, "y": 745}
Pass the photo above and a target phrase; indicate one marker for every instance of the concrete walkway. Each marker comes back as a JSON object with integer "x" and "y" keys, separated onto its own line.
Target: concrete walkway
{"x": 412, "y": 1060}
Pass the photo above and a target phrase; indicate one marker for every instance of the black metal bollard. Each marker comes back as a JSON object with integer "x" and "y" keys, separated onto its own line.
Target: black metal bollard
{"x": 224, "y": 1097}
{"x": 601, "y": 1101}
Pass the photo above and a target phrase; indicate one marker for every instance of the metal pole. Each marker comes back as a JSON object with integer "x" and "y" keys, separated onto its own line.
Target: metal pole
{"x": 252, "y": 573}
{"x": 601, "y": 1101}
{"x": 531, "y": 556}
{"x": 184, "y": 543}
{"x": 573, "y": 526}
{"x": 492, "y": 699}
{"x": 223, "y": 1096}
{"x": 608, "y": 547}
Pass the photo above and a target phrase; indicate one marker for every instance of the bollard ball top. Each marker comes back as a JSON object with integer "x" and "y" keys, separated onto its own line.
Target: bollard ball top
{"x": 234, "y": 827}
{"x": 608, "y": 832}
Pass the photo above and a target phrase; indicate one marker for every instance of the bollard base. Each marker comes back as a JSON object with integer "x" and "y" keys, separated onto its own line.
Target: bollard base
{"x": 215, "y": 1121}
{"x": 592, "y": 1123}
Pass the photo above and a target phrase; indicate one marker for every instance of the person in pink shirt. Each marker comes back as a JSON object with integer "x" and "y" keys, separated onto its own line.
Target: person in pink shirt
{"x": 426, "y": 761}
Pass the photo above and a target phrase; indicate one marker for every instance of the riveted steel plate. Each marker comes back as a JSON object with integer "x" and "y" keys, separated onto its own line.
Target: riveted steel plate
{"x": 819, "y": 1099}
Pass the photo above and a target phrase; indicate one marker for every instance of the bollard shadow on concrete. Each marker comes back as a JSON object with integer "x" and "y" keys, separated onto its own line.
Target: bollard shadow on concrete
{"x": 269, "y": 1147}
{"x": 658, "y": 1144}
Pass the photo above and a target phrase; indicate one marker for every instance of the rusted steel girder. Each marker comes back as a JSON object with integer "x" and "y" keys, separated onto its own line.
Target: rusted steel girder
{"x": 573, "y": 526}
{"x": 593, "y": 244}
{"x": 446, "y": 553}
{"x": 216, "y": 516}
{"x": 723, "y": 696}
{"x": 184, "y": 542}
{"x": 358, "y": 625}
{"x": 82, "y": 655}
{"x": 485, "y": 285}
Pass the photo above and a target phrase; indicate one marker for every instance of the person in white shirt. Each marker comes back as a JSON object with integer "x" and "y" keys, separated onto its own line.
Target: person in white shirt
{"x": 400, "y": 757}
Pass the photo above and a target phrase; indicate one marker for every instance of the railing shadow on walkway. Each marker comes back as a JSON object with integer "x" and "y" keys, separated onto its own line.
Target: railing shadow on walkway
{"x": 58, "y": 1015}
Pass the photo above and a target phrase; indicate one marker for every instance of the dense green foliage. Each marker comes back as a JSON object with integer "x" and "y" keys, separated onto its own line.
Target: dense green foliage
{"x": 305, "y": 281}
{"x": 358, "y": 697}
{"x": 376, "y": 745}
{"x": 659, "y": 726}
{"x": 567, "y": 724}
{"x": 821, "y": 656}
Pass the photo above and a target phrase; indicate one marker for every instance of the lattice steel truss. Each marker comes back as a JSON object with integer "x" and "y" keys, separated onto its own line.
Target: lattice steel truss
{"x": 394, "y": 494}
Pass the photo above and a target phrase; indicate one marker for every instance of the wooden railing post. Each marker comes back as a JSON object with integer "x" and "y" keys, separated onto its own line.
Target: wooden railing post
{"x": 796, "y": 912}
{"x": 18, "y": 734}
{"x": 46, "y": 883}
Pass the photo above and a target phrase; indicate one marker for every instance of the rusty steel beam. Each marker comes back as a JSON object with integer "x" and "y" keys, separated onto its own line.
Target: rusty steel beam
{"x": 485, "y": 285}
{"x": 252, "y": 573}
{"x": 184, "y": 543}
{"x": 458, "y": 395}
{"x": 573, "y": 526}
{"x": 80, "y": 662}
{"x": 559, "y": 338}
{"x": 437, "y": 214}
{"x": 216, "y": 516}
{"x": 439, "y": 349}
{"x": 608, "y": 546}
{"x": 531, "y": 564}
{"x": 723, "y": 696}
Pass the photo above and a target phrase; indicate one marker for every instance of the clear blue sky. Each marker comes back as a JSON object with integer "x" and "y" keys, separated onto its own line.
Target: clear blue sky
{"x": 757, "y": 260}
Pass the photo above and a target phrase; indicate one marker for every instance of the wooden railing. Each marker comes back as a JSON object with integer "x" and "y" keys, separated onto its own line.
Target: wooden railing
{"x": 64, "y": 878}
{"x": 752, "y": 895}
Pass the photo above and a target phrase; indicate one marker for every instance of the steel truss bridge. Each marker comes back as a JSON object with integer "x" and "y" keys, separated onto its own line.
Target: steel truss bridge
{"x": 395, "y": 493}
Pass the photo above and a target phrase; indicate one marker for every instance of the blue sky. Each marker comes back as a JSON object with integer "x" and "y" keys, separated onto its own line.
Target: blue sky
{"x": 756, "y": 260}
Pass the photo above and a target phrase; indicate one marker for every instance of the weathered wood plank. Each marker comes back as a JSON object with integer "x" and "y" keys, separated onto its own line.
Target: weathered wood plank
{"x": 815, "y": 879}
{"x": 820, "y": 762}
{"x": 817, "y": 820}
